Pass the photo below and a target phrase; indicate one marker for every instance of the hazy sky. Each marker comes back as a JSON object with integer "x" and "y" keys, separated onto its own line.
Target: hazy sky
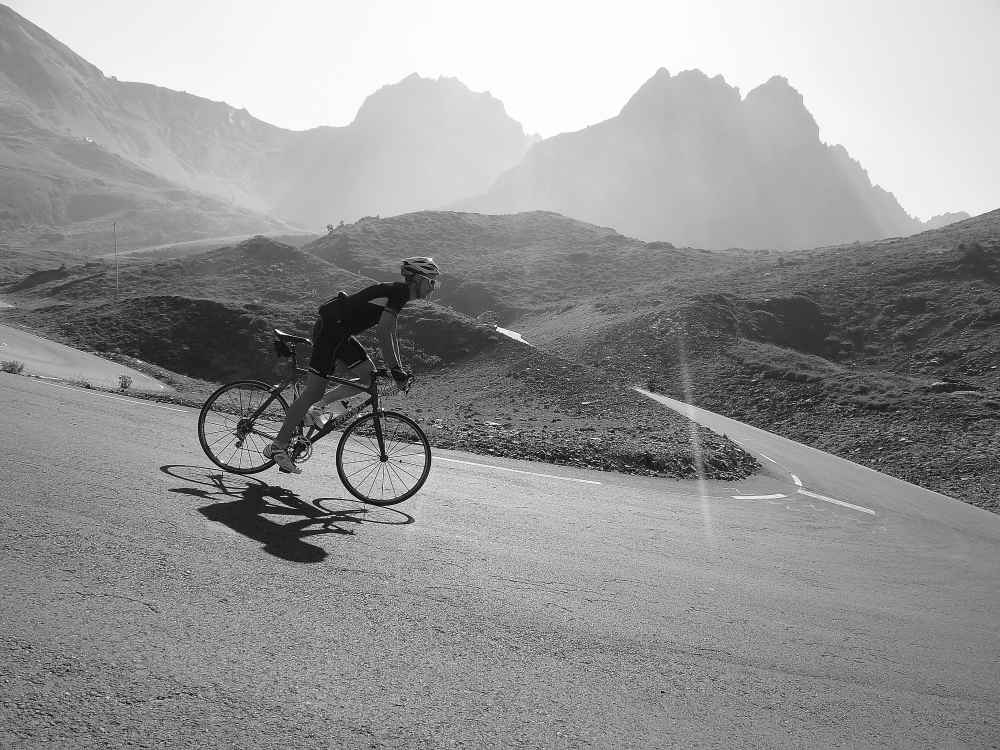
{"x": 909, "y": 87}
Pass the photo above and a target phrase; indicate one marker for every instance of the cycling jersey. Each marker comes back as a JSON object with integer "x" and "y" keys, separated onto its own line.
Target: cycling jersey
{"x": 343, "y": 316}
{"x": 360, "y": 311}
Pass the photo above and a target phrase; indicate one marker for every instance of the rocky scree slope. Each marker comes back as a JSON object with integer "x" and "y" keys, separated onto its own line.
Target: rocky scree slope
{"x": 886, "y": 353}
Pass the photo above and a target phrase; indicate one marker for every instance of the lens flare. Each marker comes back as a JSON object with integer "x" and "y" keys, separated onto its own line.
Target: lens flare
{"x": 696, "y": 449}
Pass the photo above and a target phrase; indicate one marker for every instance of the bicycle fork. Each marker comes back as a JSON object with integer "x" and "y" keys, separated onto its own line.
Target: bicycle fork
{"x": 379, "y": 437}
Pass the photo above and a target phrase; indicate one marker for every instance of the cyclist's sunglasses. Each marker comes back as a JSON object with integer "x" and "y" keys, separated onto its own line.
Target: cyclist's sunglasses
{"x": 433, "y": 282}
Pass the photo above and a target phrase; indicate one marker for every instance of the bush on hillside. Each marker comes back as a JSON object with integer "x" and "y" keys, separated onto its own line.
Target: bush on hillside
{"x": 12, "y": 366}
{"x": 976, "y": 257}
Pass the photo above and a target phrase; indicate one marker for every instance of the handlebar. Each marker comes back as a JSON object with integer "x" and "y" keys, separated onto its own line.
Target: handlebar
{"x": 382, "y": 372}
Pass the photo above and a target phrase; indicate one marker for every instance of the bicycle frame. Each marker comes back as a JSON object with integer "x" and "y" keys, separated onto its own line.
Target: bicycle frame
{"x": 293, "y": 379}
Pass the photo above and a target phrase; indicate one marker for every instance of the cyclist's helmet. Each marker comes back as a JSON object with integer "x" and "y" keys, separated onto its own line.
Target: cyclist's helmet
{"x": 421, "y": 266}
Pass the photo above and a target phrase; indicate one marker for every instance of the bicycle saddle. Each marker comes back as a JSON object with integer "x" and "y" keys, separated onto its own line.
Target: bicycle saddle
{"x": 284, "y": 336}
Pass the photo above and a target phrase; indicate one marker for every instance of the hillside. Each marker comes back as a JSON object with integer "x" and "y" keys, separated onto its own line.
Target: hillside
{"x": 687, "y": 160}
{"x": 62, "y": 192}
{"x": 530, "y": 264}
{"x": 413, "y": 144}
{"x": 209, "y": 317}
{"x": 885, "y": 353}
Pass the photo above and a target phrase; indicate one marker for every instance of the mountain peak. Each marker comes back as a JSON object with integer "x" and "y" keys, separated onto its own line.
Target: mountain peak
{"x": 779, "y": 107}
{"x": 691, "y": 91}
{"x": 419, "y": 98}
{"x": 30, "y": 57}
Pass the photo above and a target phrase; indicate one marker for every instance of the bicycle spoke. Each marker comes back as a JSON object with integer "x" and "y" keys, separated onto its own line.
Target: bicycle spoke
{"x": 399, "y": 470}
{"x": 373, "y": 470}
{"x": 393, "y": 471}
{"x": 224, "y": 430}
{"x": 388, "y": 475}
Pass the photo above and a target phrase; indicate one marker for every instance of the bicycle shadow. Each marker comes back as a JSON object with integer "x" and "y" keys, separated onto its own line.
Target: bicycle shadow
{"x": 251, "y": 498}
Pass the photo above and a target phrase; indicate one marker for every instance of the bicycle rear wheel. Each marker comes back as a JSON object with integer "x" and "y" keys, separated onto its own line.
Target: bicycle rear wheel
{"x": 226, "y": 432}
{"x": 389, "y": 478}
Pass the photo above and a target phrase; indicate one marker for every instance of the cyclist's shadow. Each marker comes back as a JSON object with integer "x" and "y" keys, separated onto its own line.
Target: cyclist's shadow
{"x": 252, "y": 497}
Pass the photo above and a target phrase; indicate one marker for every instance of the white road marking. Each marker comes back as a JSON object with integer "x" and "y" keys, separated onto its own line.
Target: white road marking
{"x": 758, "y": 497}
{"x": 513, "y": 335}
{"x": 516, "y": 471}
{"x": 763, "y": 455}
{"x": 824, "y": 498}
{"x": 808, "y": 448}
{"x": 113, "y": 398}
{"x": 796, "y": 480}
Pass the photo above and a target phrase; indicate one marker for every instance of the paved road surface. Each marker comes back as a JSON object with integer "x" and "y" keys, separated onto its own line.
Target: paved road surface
{"x": 50, "y": 359}
{"x": 148, "y": 599}
{"x": 813, "y": 475}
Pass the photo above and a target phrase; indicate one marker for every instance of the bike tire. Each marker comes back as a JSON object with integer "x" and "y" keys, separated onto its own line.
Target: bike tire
{"x": 222, "y": 420}
{"x": 360, "y": 466}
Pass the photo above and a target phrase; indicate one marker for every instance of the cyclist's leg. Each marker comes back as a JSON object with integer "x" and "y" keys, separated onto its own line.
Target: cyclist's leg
{"x": 353, "y": 363}
{"x": 313, "y": 391}
{"x": 320, "y": 363}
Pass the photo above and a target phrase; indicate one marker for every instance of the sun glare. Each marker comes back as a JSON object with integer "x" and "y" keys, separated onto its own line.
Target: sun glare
{"x": 696, "y": 448}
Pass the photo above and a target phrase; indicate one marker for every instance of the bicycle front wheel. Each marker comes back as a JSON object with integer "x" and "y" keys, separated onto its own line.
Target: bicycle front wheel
{"x": 229, "y": 433}
{"x": 389, "y": 477}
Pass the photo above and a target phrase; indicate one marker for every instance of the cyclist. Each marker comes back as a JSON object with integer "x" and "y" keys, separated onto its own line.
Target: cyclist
{"x": 340, "y": 318}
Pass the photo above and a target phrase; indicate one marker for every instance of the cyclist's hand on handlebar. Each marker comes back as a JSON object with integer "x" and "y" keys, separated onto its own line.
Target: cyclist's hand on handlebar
{"x": 401, "y": 376}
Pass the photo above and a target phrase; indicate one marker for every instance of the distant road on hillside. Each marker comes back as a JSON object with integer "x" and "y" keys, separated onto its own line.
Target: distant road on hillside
{"x": 145, "y": 594}
{"x": 51, "y": 359}
{"x": 816, "y": 476}
{"x": 187, "y": 247}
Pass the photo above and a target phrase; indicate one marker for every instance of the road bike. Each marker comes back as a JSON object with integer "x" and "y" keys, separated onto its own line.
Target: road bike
{"x": 383, "y": 457}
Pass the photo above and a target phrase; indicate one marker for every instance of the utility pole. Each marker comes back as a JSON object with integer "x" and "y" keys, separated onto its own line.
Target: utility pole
{"x": 114, "y": 232}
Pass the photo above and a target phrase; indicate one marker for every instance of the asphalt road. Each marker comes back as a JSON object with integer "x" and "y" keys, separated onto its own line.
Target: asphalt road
{"x": 51, "y": 359}
{"x": 148, "y": 600}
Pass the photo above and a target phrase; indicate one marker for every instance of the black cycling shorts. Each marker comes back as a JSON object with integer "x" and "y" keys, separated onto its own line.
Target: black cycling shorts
{"x": 330, "y": 343}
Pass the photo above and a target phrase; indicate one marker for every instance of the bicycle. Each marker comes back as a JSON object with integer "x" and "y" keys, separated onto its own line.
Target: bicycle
{"x": 383, "y": 457}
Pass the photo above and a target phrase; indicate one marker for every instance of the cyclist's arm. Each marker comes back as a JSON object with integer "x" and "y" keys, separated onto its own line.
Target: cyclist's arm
{"x": 387, "y": 340}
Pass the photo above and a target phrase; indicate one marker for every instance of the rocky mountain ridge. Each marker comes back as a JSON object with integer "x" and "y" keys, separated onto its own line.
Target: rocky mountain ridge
{"x": 688, "y": 160}
{"x": 415, "y": 143}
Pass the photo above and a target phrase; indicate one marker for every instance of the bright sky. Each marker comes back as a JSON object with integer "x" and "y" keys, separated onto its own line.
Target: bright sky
{"x": 910, "y": 87}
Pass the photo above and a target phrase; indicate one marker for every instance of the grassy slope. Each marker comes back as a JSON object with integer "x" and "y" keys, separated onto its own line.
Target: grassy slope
{"x": 523, "y": 265}
{"x": 209, "y": 316}
{"x": 61, "y": 192}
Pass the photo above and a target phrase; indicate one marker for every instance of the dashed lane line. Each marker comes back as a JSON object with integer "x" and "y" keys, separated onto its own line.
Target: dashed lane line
{"x": 826, "y": 499}
{"x": 758, "y": 497}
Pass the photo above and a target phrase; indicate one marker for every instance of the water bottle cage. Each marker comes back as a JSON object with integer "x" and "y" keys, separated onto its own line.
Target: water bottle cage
{"x": 282, "y": 349}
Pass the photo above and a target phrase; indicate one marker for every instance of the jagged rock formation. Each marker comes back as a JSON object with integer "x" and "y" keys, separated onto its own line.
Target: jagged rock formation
{"x": 943, "y": 220}
{"x": 690, "y": 161}
{"x": 413, "y": 145}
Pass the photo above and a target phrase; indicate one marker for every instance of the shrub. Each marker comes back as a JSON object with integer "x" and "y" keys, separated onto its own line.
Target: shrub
{"x": 12, "y": 366}
{"x": 124, "y": 382}
{"x": 974, "y": 256}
